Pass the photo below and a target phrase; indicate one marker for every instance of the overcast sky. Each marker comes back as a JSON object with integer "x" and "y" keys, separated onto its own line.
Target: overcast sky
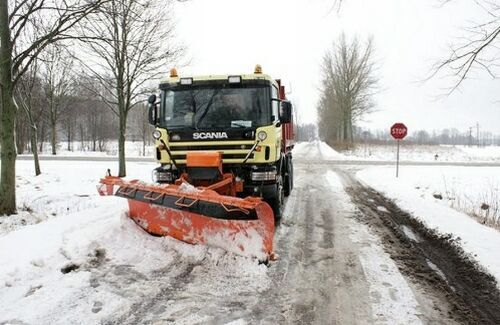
{"x": 289, "y": 38}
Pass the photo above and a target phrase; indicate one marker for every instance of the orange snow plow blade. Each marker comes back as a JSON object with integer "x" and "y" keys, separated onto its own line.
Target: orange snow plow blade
{"x": 198, "y": 215}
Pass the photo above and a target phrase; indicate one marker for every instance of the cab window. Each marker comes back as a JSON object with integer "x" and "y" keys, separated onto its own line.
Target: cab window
{"x": 275, "y": 103}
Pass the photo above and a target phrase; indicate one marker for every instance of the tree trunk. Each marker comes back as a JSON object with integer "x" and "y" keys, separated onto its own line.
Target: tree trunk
{"x": 69, "y": 137}
{"x": 8, "y": 118}
{"x": 34, "y": 149}
{"x": 144, "y": 139}
{"x": 82, "y": 138}
{"x": 42, "y": 137}
{"x": 53, "y": 127}
{"x": 121, "y": 145}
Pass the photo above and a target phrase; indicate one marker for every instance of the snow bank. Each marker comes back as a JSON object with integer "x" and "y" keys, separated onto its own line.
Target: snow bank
{"x": 63, "y": 188}
{"x": 413, "y": 193}
{"x": 316, "y": 150}
{"x": 425, "y": 153}
{"x": 93, "y": 265}
{"x": 89, "y": 262}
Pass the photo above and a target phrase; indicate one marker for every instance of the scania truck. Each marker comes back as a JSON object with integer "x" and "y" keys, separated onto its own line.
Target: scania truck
{"x": 245, "y": 117}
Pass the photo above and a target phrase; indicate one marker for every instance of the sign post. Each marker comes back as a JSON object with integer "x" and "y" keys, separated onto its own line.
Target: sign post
{"x": 398, "y": 132}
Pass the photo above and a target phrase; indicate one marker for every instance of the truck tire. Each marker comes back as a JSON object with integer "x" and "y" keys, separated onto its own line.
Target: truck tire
{"x": 288, "y": 183}
{"x": 277, "y": 202}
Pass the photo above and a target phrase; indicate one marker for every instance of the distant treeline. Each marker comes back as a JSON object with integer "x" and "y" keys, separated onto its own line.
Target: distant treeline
{"x": 451, "y": 136}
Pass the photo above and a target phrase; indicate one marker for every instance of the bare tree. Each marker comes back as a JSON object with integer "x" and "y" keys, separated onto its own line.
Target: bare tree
{"x": 56, "y": 72}
{"x": 141, "y": 125}
{"x": 347, "y": 89}
{"x": 306, "y": 132}
{"x": 476, "y": 50}
{"x": 69, "y": 121}
{"x": 132, "y": 44}
{"x": 27, "y": 27}
{"x": 28, "y": 97}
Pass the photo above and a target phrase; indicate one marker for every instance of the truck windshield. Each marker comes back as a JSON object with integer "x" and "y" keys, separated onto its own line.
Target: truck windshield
{"x": 220, "y": 107}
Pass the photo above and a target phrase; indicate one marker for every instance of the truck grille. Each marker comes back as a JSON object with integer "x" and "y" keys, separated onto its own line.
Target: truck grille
{"x": 229, "y": 151}
{"x": 216, "y": 147}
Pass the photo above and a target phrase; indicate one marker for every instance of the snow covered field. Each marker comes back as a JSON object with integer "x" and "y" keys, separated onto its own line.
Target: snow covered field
{"x": 132, "y": 149}
{"x": 472, "y": 190}
{"x": 426, "y": 153}
{"x": 65, "y": 187}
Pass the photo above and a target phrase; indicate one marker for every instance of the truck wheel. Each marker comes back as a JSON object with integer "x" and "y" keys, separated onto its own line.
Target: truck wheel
{"x": 277, "y": 202}
{"x": 288, "y": 184}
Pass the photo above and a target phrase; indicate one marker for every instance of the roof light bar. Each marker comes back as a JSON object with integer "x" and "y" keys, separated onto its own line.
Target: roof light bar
{"x": 186, "y": 81}
{"x": 234, "y": 79}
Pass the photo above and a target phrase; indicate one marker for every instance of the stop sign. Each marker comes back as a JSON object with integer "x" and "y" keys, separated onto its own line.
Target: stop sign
{"x": 399, "y": 131}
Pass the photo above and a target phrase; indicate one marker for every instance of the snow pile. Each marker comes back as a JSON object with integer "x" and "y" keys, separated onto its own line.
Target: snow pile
{"x": 188, "y": 188}
{"x": 90, "y": 263}
{"x": 63, "y": 188}
{"x": 414, "y": 192}
{"x": 247, "y": 242}
{"x": 316, "y": 150}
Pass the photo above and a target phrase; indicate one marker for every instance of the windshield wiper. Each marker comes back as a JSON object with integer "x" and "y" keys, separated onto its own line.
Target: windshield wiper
{"x": 210, "y": 102}
{"x": 178, "y": 127}
{"x": 239, "y": 125}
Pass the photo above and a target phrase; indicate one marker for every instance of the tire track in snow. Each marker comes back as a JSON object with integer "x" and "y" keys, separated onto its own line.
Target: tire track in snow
{"x": 318, "y": 279}
{"x": 467, "y": 294}
{"x": 146, "y": 293}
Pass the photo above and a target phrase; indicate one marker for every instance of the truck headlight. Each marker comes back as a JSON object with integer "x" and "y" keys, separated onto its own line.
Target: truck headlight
{"x": 262, "y": 135}
{"x": 263, "y": 176}
{"x": 156, "y": 134}
{"x": 161, "y": 176}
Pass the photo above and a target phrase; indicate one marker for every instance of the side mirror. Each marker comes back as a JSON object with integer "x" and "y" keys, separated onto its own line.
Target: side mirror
{"x": 153, "y": 110}
{"x": 285, "y": 112}
{"x": 152, "y": 99}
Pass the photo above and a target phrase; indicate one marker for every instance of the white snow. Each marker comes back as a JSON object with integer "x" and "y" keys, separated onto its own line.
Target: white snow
{"x": 116, "y": 262}
{"x": 410, "y": 234}
{"x": 63, "y": 188}
{"x": 132, "y": 149}
{"x": 63, "y": 223}
{"x": 188, "y": 188}
{"x": 316, "y": 150}
{"x": 392, "y": 300}
{"x": 427, "y": 153}
{"x": 408, "y": 153}
{"x": 413, "y": 191}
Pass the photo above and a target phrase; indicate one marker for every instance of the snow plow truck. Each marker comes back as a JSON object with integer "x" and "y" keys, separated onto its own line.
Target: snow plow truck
{"x": 224, "y": 144}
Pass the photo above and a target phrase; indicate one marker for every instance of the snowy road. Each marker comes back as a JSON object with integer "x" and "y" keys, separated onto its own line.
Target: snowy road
{"x": 346, "y": 256}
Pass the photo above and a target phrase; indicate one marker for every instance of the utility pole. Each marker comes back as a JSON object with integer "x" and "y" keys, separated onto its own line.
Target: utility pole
{"x": 470, "y": 136}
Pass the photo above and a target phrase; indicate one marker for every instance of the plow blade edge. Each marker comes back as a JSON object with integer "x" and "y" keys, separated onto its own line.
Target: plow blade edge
{"x": 198, "y": 216}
